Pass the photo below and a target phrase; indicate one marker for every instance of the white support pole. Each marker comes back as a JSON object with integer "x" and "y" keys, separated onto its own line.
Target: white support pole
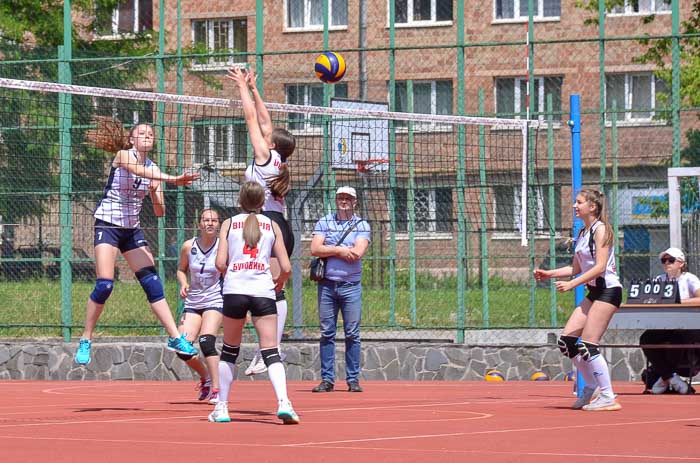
{"x": 674, "y": 202}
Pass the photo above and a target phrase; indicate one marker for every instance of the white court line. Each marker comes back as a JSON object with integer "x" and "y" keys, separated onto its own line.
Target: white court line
{"x": 496, "y": 431}
{"x": 125, "y": 420}
{"x": 402, "y": 450}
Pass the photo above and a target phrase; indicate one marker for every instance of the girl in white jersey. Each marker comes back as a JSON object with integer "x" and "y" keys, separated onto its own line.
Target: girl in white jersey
{"x": 204, "y": 303}
{"x": 594, "y": 266}
{"x": 132, "y": 176}
{"x": 246, "y": 244}
{"x": 271, "y": 148}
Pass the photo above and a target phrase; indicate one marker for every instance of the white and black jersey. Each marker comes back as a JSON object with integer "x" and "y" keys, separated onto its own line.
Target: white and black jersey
{"x": 205, "y": 279}
{"x": 123, "y": 196}
{"x": 585, "y": 253}
{"x": 262, "y": 174}
{"x": 248, "y": 270}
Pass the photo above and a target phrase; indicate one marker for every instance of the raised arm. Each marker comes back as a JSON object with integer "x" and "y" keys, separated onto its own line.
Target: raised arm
{"x": 125, "y": 160}
{"x": 264, "y": 120}
{"x": 261, "y": 149}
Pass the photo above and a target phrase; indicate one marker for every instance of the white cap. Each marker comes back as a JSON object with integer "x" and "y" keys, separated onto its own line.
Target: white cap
{"x": 673, "y": 252}
{"x": 348, "y": 190}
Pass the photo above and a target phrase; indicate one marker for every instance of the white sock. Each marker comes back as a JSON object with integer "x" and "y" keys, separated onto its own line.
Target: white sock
{"x": 227, "y": 373}
{"x": 278, "y": 378}
{"x": 599, "y": 367}
{"x": 281, "y": 319}
{"x": 585, "y": 369}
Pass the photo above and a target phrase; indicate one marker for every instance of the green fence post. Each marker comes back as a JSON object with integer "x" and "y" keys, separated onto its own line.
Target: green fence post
{"x": 65, "y": 123}
{"x": 462, "y": 265}
{"x": 601, "y": 92}
{"x": 180, "y": 200}
{"x": 552, "y": 211}
{"x": 411, "y": 199}
{"x": 676, "y": 82}
{"x": 160, "y": 124}
{"x": 392, "y": 166}
{"x": 531, "y": 161}
{"x": 483, "y": 225}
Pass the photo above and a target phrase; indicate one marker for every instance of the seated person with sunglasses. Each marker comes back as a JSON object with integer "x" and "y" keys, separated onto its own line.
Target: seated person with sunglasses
{"x": 667, "y": 364}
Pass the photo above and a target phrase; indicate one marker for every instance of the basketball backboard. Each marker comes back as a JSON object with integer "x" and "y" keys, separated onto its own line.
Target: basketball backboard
{"x": 359, "y": 139}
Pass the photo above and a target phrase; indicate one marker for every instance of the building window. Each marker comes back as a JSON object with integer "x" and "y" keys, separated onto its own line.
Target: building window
{"x": 309, "y": 95}
{"x": 507, "y": 207}
{"x": 637, "y": 96}
{"x": 429, "y": 97}
{"x": 128, "y": 112}
{"x": 220, "y": 36}
{"x": 517, "y": 9}
{"x": 417, "y": 12}
{"x": 129, "y": 17}
{"x": 313, "y": 210}
{"x": 308, "y": 14}
{"x": 511, "y": 96}
{"x": 433, "y": 210}
{"x": 219, "y": 143}
{"x": 642, "y": 6}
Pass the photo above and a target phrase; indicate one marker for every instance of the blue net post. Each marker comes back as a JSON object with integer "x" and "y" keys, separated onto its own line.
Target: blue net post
{"x": 576, "y": 184}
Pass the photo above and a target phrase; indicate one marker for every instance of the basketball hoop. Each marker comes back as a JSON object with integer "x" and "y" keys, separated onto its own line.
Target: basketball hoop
{"x": 374, "y": 166}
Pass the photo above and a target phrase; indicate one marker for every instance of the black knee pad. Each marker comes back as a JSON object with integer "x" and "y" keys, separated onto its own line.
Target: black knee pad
{"x": 207, "y": 344}
{"x": 151, "y": 284}
{"x": 184, "y": 357}
{"x": 230, "y": 353}
{"x": 588, "y": 350}
{"x": 270, "y": 356}
{"x": 567, "y": 345}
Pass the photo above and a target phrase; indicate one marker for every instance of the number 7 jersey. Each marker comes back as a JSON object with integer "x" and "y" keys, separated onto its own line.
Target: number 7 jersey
{"x": 205, "y": 279}
{"x": 248, "y": 270}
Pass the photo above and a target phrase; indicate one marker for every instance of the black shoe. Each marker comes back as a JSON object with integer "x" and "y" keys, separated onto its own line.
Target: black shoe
{"x": 325, "y": 386}
{"x": 354, "y": 387}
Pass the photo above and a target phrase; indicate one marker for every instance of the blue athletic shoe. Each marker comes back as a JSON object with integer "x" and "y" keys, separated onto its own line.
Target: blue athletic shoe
{"x": 82, "y": 355}
{"x": 181, "y": 345}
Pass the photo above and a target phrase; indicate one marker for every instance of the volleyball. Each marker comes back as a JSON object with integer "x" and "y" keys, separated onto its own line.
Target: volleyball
{"x": 330, "y": 67}
{"x": 539, "y": 376}
{"x": 494, "y": 376}
{"x": 570, "y": 376}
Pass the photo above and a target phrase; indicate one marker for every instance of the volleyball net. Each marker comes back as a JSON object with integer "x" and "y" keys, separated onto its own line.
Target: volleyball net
{"x": 446, "y": 196}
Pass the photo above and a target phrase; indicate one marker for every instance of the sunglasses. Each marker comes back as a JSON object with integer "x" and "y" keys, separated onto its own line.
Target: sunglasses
{"x": 668, "y": 260}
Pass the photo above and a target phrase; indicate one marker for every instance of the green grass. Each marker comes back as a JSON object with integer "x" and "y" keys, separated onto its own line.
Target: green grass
{"x": 37, "y": 306}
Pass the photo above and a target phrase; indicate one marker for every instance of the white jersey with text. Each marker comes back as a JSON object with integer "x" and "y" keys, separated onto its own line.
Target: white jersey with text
{"x": 264, "y": 173}
{"x": 248, "y": 270}
{"x": 585, "y": 256}
{"x": 123, "y": 196}
{"x": 205, "y": 279}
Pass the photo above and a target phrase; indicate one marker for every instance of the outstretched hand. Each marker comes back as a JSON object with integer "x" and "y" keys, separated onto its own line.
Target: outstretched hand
{"x": 250, "y": 79}
{"x": 563, "y": 286}
{"x": 186, "y": 179}
{"x": 541, "y": 274}
{"x": 238, "y": 75}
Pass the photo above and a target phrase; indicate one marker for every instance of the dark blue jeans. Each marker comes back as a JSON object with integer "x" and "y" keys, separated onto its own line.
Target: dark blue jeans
{"x": 333, "y": 297}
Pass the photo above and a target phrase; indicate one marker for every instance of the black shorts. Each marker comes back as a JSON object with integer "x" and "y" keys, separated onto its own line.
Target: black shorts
{"x": 237, "y": 306}
{"x": 610, "y": 295}
{"x": 124, "y": 239}
{"x": 287, "y": 234}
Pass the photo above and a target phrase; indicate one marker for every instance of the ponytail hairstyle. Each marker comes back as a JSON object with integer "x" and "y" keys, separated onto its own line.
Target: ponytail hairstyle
{"x": 284, "y": 144}
{"x": 251, "y": 199}
{"x": 108, "y": 135}
{"x": 597, "y": 199}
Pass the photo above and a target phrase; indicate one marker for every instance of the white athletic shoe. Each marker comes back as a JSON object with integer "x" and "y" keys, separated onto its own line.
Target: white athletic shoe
{"x": 603, "y": 403}
{"x": 678, "y": 385}
{"x": 589, "y": 394}
{"x": 257, "y": 365}
{"x": 220, "y": 413}
{"x": 660, "y": 386}
{"x": 286, "y": 413}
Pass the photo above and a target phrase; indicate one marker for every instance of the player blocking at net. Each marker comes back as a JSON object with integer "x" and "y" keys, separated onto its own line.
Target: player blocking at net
{"x": 246, "y": 244}
{"x": 271, "y": 149}
{"x": 594, "y": 263}
{"x": 117, "y": 227}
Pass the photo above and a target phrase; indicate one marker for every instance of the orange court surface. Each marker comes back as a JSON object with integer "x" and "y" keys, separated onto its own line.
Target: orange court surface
{"x": 406, "y": 422}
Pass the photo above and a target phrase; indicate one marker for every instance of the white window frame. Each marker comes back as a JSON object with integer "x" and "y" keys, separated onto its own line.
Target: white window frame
{"x": 211, "y": 149}
{"x": 411, "y": 23}
{"x": 115, "y": 112}
{"x": 517, "y": 18}
{"x": 116, "y": 35}
{"x": 310, "y": 217}
{"x": 430, "y": 232}
{"x": 307, "y": 19}
{"x": 539, "y": 81}
{"x": 630, "y": 118}
{"x": 309, "y": 128}
{"x": 429, "y": 126}
{"x": 627, "y": 9}
{"x": 214, "y": 64}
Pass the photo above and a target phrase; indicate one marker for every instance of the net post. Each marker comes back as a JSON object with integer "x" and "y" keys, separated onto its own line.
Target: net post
{"x": 576, "y": 182}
